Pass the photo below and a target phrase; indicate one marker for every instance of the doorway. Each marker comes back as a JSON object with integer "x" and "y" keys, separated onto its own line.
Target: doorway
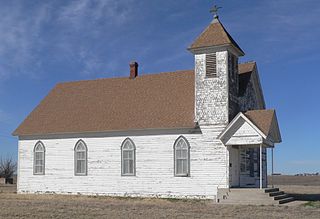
{"x": 248, "y": 167}
{"x": 234, "y": 168}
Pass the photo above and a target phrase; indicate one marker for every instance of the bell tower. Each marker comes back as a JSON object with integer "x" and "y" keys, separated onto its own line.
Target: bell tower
{"x": 216, "y": 74}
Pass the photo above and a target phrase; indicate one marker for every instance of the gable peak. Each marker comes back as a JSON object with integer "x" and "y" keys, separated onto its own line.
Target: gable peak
{"x": 215, "y": 36}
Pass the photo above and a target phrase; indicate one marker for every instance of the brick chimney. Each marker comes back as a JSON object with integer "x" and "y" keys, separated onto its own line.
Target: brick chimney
{"x": 133, "y": 70}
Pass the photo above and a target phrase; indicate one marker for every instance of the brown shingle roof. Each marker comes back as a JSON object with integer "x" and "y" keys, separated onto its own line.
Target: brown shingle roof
{"x": 262, "y": 119}
{"x": 214, "y": 35}
{"x": 247, "y": 67}
{"x": 154, "y": 101}
{"x": 163, "y": 100}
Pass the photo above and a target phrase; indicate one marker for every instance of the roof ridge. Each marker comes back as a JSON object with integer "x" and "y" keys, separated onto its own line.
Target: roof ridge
{"x": 249, "y": 62}
{"x": 125, "y": 77}
{"x": 272, "y": 109}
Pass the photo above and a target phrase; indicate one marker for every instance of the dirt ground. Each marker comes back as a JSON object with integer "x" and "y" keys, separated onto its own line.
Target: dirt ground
{"x": 57, "y": 206}
{"x": 54, "y": 206}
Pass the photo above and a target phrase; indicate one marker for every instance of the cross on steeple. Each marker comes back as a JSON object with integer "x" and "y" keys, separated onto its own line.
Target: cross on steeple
{"x": 214, "y": 10}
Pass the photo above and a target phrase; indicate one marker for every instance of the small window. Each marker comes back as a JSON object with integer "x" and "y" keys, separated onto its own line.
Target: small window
{"x": 181, "y": 157}
{"x": 211, "y": 65}
{"x": 128, "y": 156}
{"x": 39, "y": 159}
{"x": 80, "y": 158}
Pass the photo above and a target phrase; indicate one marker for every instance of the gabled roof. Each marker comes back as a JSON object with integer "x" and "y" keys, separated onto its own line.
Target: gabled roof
{"x": 263, "y": 121}
{"x": 157, "y": 101}
{"x": 215, "y": 35}
{"x": 247, "y": 67}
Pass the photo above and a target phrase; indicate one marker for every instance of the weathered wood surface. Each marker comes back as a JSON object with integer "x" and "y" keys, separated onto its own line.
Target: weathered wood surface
{"x": 212, "y": 93}
{"x": 242, "y": 133}
{"x": 154, "y": 167}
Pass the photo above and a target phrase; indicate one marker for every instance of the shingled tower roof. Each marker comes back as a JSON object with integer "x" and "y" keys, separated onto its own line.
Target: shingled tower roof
{"x": 215, "y": 35}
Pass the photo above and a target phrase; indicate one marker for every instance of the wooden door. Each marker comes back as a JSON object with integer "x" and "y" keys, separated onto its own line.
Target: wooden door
{"x": 234, "y": 167}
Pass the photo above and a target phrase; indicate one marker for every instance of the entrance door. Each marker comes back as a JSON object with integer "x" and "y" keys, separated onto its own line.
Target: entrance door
{"x": 234, "y": 167}
{"x": 247, "y": 178}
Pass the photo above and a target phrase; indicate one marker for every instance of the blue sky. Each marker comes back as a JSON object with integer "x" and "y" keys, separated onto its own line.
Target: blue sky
{"x": 43, "y": 42}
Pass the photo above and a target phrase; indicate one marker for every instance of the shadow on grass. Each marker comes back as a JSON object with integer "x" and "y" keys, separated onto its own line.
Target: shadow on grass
{"x": 305, "y": 197}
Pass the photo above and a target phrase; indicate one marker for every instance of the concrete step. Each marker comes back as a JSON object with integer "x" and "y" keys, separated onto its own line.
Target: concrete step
{"x": 271, "y": 194}
{"x": 255, "y": 197}
{"x": 271, "y": 190}
{"x": 279, "y": 197}
{"x": 286, "y": 200}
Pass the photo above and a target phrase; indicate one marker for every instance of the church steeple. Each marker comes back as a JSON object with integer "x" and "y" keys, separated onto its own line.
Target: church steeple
{"x": 216, "y": 74}
{"x": 215, "y": 36}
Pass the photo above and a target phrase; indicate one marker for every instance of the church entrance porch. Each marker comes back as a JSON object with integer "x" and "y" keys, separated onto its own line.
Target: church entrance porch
{"x": 247, "y": 138}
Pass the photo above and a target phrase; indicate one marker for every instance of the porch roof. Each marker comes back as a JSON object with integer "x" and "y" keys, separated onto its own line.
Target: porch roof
{"x": 253, "y": 127}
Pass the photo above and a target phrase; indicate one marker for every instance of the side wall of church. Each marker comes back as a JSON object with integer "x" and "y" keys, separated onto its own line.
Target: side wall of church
{"x": 154, "y": 166}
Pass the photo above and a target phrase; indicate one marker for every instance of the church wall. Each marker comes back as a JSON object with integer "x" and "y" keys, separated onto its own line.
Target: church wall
{"x": 154, "y": 166}
{"x": 253, "y": 97}
{"x": 212, "y": 93}
{"x": 233, "y": 79}
{"x": 249, "y": 100}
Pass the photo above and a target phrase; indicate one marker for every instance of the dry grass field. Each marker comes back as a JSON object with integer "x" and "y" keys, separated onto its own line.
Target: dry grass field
{"x": 302, "y": 188}
{"x": 295, "y": 180}
{"x": 58, "y": 206}
{"x": 4, "y": 189}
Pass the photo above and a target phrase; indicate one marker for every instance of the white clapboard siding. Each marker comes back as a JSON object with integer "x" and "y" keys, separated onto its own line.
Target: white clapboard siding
{"x": 242, "y": 134}
{"x": 154, "y": 167}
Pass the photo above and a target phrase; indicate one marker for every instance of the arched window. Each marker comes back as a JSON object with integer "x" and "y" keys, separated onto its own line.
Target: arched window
{"x": 181, "y": 157}
{"x": 39, "y": 159}
{"x": 128, "y": 158}
{"x": 80, "y": 158}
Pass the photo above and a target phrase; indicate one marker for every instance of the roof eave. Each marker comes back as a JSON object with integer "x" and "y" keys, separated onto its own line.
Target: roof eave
{"x": 216, "y": 48}
{"x": 224, "y": 132}
{"x": 191, "y": 127}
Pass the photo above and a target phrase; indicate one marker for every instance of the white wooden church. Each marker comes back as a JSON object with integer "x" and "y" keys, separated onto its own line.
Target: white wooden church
{"x": 182, "y": 134}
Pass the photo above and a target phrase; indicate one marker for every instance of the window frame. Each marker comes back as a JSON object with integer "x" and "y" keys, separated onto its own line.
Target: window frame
{"x": 34, "y": 158}
{"x": 134, "y": 158}
{"x": 175, "y": 159}
{"x": 76, "y": 159}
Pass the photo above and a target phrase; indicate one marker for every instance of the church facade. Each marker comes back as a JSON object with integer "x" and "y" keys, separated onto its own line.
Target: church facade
{"x": 183, "y": 134}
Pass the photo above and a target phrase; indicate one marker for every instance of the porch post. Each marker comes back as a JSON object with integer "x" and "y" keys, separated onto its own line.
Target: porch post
{"x": 260, "y": 166}
{"x": 272, "y": 167}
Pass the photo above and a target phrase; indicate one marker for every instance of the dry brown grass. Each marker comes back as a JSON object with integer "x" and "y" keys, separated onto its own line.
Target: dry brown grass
{"x": 58, "y": 206}
{"x": 302, "y": 188}
{"x": 7, "y": 189}
{"x": 295, "y": 180}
